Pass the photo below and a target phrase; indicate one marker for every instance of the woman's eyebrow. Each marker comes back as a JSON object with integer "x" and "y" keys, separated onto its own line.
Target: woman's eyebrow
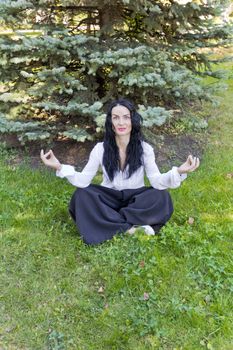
{"x": 116, "y": 115}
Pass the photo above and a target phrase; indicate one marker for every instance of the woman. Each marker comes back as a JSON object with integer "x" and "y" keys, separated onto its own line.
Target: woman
{"x": 121, "y": 202}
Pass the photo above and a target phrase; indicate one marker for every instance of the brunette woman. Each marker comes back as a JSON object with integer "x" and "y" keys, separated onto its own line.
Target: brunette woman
{"x": 121, "y": 202}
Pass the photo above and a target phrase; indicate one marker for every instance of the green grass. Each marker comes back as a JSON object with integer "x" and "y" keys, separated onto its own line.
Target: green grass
{"x": 50, "y": 280}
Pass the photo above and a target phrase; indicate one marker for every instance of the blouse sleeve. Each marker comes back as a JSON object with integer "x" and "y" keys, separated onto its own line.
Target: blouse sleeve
{"x": 170, "y": 179}
{"x": 82, "y": 179}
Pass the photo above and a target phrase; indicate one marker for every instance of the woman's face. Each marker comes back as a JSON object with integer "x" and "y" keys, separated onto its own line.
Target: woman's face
{"x": 121, "y": 121}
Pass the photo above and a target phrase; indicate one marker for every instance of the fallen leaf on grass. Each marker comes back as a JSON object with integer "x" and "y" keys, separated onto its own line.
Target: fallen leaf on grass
{"x": 207, "y": 298}
{"x": 142, "y": 263}
{"x": 191, "y": 220}
{"x": 101, "y": 289}
{"x": 146, "y": 296}
{"x": 10, "y": 329}
{"x": 229, "y": 176}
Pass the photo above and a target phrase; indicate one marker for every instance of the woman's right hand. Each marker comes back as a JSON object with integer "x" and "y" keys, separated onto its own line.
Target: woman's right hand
{"x": 50, "y": 160}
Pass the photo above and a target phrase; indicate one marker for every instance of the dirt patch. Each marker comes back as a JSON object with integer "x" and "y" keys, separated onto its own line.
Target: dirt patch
{"x": 169, "y": 149}
{"x": 174, "y": 149}
{"x": 68, "y": 152}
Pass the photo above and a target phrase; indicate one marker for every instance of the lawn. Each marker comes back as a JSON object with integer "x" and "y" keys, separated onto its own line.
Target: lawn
{"x": 171, "y": 291}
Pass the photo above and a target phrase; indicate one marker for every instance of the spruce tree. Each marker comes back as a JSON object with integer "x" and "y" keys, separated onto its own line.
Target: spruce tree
{"x": 62, "y": 61}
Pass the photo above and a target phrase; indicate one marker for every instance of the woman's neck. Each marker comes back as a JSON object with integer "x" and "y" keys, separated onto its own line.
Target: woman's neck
{"x": 122, "y": 142}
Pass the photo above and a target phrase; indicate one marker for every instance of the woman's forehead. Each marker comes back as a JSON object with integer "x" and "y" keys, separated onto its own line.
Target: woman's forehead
{"x": 120, "y": 110}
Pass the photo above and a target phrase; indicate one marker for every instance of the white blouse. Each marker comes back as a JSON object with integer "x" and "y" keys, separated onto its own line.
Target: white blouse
{"x": 170, "y": 179}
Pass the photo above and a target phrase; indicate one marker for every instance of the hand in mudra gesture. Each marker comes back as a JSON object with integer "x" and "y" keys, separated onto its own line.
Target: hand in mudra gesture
{"x": 191, "y": 164}
{"x": 50, "y": 160}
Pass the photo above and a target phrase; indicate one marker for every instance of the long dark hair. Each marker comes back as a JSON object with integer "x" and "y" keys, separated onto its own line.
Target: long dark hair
{"x": 134, "y": 151}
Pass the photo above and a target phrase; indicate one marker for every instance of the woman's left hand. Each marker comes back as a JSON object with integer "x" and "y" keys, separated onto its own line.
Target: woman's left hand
{"x": 191, "y": 164}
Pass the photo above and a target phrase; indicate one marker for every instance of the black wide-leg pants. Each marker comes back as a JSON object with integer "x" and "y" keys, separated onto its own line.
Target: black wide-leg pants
{"x": 100, "y": 212}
